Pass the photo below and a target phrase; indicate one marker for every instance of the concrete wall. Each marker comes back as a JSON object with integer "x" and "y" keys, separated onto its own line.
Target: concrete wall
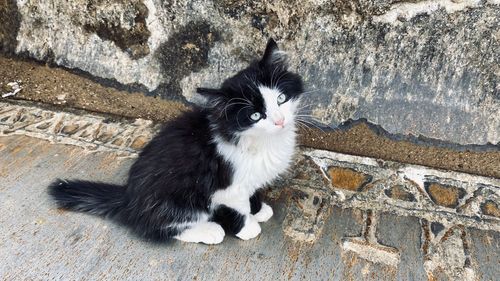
{"x": 414, "y": 67}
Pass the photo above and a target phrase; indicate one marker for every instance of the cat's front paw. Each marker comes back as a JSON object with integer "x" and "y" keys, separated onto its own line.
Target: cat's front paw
{"x": 265, "y": 213}
{"x": 250, "y": 230}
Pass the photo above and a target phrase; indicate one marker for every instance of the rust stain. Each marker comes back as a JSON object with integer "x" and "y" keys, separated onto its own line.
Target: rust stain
{"x": 450, "y": 232}
{"x": 444, "y": 195}
{"x": 294, "y": 251}
{"x": 426, "y": 233}
{"x": 368, "y": 224}
{"x": 16, "y": 149}
{"x": 430, "y": 277}
{"x": 490, "y": 208}
{"x": 348, "y": 179}
{"x": 109, "y": 161}
{"x": 349, "y": 263}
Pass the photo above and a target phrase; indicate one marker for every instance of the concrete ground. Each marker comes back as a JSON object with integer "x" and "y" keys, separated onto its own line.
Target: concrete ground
{"x": 337, "y": 217}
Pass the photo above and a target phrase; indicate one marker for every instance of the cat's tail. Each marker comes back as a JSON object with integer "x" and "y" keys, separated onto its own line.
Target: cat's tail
{"x": 91, "y": 197}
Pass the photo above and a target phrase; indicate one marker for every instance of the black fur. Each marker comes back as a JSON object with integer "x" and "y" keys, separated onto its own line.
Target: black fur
{"x": 229, "y": 114}
{"x": 176, "y": 174}
{"x": 255, "y": 203}
{"x": 97, "y": 198}
{"x": 229, "y": 219}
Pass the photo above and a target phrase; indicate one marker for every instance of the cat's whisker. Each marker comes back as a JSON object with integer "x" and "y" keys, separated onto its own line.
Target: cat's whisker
{"x": 310, "y": 91}
{"x": 301, "y": 125}
{"x": 234, "y": 103}
{"x": 308, "y": 118}
{"x": 305, "y": 122}
{"x": 304, "y": 106}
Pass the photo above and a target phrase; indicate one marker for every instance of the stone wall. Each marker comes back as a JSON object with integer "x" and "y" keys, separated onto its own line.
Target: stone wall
{"x": 414, "y": 67}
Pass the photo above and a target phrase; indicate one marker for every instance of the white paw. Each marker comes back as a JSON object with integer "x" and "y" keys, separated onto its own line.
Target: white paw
{"x": 204, "y": 232}
{"x": 250, "y": 230}
{"x": 265, "y": 213}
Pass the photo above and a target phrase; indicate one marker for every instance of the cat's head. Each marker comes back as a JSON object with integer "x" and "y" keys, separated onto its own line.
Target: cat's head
{"x": 260, "y": 100}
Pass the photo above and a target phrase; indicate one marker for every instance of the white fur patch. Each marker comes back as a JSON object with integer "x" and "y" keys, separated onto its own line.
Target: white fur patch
{"x": 250, "y": 230}
{"x": 265, "y": 213}
{"x": 262, "y": 153}
{"x": 203, "y": 232}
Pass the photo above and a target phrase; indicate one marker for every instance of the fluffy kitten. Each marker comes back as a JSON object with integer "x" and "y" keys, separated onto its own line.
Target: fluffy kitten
{"x": 198, "y": 179}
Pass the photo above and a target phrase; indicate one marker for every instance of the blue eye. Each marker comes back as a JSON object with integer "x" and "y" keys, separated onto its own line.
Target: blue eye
{"x": 256, "y": 116}
{"x": 281, "y": 98}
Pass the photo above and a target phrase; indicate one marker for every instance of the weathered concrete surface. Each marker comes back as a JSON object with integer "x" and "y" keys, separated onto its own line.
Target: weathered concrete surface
{"x": 426, "y": 67}
{"x": 9, "y": 27}
{"x": 337, "y": 217}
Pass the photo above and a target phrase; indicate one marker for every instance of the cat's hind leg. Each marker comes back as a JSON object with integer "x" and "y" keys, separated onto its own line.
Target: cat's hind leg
{"x": 202, "y": 232}
{"x": 242, "y": 226}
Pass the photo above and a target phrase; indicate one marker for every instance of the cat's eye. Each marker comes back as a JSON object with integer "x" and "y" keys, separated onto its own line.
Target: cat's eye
{"x": 281, "y": 98}
{"x": 256, "y": 116}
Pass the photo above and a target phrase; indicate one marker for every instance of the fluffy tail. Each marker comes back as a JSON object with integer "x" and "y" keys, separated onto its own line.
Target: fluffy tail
{"x": 91, "y": 197}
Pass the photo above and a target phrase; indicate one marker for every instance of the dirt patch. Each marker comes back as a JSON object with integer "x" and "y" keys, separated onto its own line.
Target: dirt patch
{"x": 63, "y": 89}
{"x": 67, "y": 90}
{"x": 363, "y": 140}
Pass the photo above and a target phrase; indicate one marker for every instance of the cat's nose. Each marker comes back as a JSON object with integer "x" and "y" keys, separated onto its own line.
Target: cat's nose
{"x": 280, "y": 122}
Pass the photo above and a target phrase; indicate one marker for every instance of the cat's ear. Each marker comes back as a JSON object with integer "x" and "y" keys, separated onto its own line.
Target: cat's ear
{"x": 213, "y": 96}
{"x": 209, "y": 93}
{"x": 273, "y": 56}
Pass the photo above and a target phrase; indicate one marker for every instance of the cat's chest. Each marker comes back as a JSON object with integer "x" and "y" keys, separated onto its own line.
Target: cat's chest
{"x": 259, "y": 163}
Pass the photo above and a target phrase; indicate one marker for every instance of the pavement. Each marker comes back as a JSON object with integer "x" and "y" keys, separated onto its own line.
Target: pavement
{"x": 337, "y": 216}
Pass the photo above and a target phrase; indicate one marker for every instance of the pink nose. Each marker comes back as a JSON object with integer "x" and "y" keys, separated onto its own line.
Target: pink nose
{"x": 280, "y": 122}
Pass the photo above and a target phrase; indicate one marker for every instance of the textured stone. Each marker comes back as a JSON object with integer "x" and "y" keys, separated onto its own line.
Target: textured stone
{"x": 90, "y": 132}
{"x": 105, "y": 136}
{"x": 491, "y": 208}
{"x": 139, "y": 143}
{"x": 444, "y": 195}
{"x": 127, "y": 30}
{"x": 69, "y": 129}
{"x": 398, "y": 192}
{"x": 10, "y": 25}
{"x": 451, "y": 189}
{"x": 436, "y": 227}
{"x": 184, "y": 52}
{"x": 408, "y": 66}
{"x": 118, "y": 142}
{"x": 348, "y": 179}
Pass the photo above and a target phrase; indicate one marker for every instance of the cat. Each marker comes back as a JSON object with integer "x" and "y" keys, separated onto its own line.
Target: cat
{"x": 198, "y": 179}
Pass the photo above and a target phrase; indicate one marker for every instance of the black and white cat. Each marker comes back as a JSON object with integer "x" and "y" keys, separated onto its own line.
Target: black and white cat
{"x": 198, "y": 179}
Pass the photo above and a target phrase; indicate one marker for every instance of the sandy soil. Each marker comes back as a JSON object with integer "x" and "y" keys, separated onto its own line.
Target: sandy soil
{"x": 64, "y": 90}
